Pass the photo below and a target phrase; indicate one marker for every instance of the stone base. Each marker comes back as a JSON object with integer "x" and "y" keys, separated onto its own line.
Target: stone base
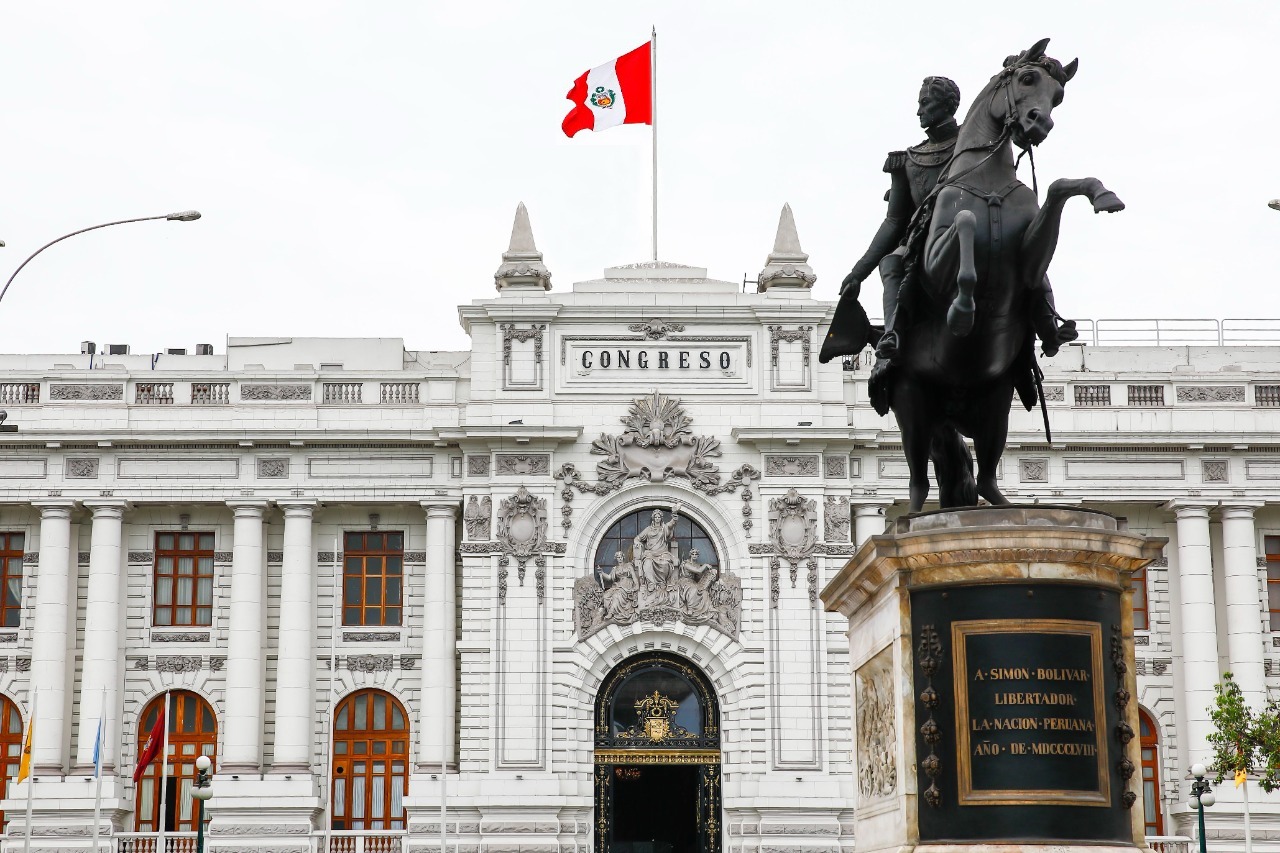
{"x": 993, "y": 676}
{"x": 62, "y": 814}
{"x": 263, "y": 810}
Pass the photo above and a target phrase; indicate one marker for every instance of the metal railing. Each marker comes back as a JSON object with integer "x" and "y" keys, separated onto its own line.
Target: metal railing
{"x": 1169, "y": 843}
{"x": 148, "y": 842}
{"x": 1142, "y": 331}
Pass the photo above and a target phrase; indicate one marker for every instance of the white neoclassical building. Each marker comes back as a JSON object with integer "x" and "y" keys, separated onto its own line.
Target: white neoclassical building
{"x": 559, "y": 590}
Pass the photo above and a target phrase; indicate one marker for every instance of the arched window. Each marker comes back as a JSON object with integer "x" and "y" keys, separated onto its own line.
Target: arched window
{"x": 193, "y": 731}
{"x": 10, "y": 743}
{"x": 370, "y": 762}
{"x": 657, "y": 700}
{"x": 688, "y": 535}
{"x": 1149, "y": 737}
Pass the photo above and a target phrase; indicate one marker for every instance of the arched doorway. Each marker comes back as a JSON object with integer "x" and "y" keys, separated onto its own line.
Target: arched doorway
{"x": 10, "y": 744}
{"x": 370, "y": 762}
{"x": 1149, "y": 737}
{"x": 193, "y": 731}
{"x": 657, "y": 736}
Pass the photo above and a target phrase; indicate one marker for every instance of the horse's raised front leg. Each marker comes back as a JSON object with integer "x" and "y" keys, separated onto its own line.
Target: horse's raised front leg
{"x": 1040, "y": 240}
{"x": 951, "y": 254}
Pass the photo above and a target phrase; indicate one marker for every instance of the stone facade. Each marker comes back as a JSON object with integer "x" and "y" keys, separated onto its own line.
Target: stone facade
{"x": 503, "y": 477}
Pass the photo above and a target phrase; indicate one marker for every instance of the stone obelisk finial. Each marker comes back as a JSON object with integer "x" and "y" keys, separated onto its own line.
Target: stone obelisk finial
{"x": 522, "y": 268}
{"x": 787, "y": 266}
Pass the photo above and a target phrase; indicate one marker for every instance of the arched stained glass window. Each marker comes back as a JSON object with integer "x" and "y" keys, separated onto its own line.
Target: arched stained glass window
{"x": 193, "y": 731}
{"x": 657, "y": 700}
{"x": 687, "y": 535}
{"x": 370, "y": 762}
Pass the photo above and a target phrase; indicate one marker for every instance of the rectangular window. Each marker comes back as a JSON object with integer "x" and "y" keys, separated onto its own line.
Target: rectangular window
{"x": 1273, "y": 580}
{"x": 183, "y": 579}
{"x": 372, "y": 578}
{"x": 11, "y": 545}
{"x": 1141, "y": 620}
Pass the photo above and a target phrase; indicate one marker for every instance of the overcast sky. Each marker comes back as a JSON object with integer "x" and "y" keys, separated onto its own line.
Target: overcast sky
{"x": 358, "y": 164}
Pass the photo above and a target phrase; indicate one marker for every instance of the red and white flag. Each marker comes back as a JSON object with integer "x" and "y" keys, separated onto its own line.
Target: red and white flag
{"x": 618, "y": 92}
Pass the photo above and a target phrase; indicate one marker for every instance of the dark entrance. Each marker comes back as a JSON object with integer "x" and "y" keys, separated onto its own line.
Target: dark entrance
{"x": 657, "y": 759}
{"x": 655, "y": 809}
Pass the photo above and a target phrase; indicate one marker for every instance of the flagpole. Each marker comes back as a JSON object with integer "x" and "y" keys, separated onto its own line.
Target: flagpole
{"x": 653, "y": 115}
{"x": 1248, "y": 836}
{"x": 164, "y": 774}
{"x": 97, "y": 771}
{"x": 31, "y": 775}
{"x": 333, "y": 671}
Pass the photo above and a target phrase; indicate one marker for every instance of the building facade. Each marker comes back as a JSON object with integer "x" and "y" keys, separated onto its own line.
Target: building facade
{"x": 561, "y": 589}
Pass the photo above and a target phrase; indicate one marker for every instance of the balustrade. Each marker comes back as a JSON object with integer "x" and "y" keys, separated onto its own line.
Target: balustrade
{"x": 17, "y": 393}
{"x": 399, "y": 393}
{"x": 153, "y": 394}
{"x": 210, "y": 393}
{"x": 342, "y": 392}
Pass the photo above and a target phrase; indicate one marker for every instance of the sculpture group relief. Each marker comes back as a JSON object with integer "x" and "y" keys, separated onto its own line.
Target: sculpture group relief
{"x": 653, "y": 583}
{"x": 478, "y": 517}
{"x": 835, "y": 519}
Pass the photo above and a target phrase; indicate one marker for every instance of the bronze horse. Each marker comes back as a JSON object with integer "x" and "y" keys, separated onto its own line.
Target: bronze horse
{"x": 979, "y": 252}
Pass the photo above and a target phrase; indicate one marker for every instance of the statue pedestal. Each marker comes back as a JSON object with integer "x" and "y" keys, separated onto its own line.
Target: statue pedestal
{"x": 993, "y": 681}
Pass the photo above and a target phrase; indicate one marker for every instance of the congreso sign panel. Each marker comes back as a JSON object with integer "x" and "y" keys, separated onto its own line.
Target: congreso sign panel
{"x": 608, "y": 362}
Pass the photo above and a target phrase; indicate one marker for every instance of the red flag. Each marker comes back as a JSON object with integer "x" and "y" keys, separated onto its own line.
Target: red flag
{"x": 618, "y": 92}
{"x": 155, "y": 741}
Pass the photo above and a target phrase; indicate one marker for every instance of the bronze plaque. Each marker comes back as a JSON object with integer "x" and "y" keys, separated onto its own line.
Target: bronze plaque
{"x": 1030, "y": 712}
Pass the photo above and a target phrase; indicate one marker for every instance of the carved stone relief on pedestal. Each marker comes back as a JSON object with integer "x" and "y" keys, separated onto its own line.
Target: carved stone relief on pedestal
{"x": 876, "y": 727}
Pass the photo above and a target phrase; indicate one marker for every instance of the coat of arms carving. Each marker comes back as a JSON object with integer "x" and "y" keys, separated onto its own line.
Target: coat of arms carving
{"x": 522, "y": 525}
{"x": 793, "y": 526}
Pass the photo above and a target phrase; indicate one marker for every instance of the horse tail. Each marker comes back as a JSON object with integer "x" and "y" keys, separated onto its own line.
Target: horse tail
{"x": 953, "y": 467}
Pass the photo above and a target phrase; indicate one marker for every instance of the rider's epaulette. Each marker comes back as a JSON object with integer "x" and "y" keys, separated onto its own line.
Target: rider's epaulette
{"x": 896, "y": 160}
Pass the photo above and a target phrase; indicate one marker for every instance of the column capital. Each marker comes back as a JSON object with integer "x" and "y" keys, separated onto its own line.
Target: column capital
{"x": 248, "y": 508}
{"x": 54, "y": 507}
{"x": 297, "y": 507}
{"x": 1189, "y": 508}
{"x": 442, "y": 507}
{"x": 1240, "y": 508}
{"x": 106, "y": 507}
{"x": 872, "y": 507}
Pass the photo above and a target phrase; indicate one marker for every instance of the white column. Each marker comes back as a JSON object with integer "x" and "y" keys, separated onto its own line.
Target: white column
{"x": 1244, "y": 602}
{"x": 49, "y": 633}
{"x": 439, "y": 641}
{"x": 101, "y": 637}
{"x": 1199, "y": 627}
{"x": 295, "y": 671}
{"x": 868, "y": 520}
{"x": 243, "y": 726}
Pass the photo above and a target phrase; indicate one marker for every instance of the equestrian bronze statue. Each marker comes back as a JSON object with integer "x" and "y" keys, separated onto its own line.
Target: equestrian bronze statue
{"x": 972, "y": 289}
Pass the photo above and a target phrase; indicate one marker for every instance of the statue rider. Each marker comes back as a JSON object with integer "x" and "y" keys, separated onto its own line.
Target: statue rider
{"x": 913, "y": 175}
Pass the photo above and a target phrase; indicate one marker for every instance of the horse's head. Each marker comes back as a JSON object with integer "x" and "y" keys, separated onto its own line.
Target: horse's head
{"x": 1033, "y": 85}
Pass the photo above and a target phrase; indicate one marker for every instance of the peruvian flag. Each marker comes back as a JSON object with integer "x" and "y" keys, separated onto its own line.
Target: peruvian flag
{"x": 618, "y": 92}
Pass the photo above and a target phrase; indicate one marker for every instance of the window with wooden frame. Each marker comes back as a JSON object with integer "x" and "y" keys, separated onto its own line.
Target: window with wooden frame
{"x": 1272, "y": 547}
{"x": 11, "y": 547}
{"x": 183, "y": 586}
{"x": 373, "y": 578}
{"x": 193, "y": 731}
{"x": 1141, "y": 618}
{"x": 10, "y": 743}
{"x": 370, "y": 762}
{"x": 1149, "y": 737}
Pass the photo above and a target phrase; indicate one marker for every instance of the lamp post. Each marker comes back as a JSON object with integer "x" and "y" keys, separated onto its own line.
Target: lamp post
{"x": 181, "y": 216}
{"x": 1201, "y": 797}
{"x": 201, "y": 791}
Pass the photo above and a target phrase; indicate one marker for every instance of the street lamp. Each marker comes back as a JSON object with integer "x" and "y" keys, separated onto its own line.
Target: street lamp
{"x": 202, "y": 791}
{"x": 1274, "y": 204}
{"x": 1201, "y": 797}
{"x": 181, "y": 216}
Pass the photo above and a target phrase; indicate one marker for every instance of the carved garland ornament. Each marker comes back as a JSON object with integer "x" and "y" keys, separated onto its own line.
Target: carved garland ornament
{"x": 511, "y": 333}
{"x": 655, "y": 329}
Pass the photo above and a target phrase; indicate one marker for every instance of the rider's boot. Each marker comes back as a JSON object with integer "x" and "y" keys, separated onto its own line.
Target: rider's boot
{"x": 1044, "y": 320}
{"x": 891, "y": 276}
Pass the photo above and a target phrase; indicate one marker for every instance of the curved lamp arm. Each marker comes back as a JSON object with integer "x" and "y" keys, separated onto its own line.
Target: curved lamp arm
{"x": 183, "y": 216}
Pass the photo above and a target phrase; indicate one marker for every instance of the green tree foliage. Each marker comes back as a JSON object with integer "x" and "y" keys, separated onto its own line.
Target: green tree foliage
{"x": 1244, "y": 740}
